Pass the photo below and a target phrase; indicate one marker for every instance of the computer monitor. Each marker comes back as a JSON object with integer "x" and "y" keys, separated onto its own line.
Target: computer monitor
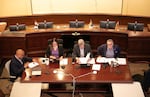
{"x": 112, "y": 24}
{"x": 136, "y": 26}
{"x": 139, "y": 26}
{"x": 131, "y": 26}
{"x": 21, "y": 27}
{"x": 108, "y": 24}
{"x": 76, "y": 24}
{"x": 17, "y": 27}
{"x": 80, "y": 24}
{"x": 13, "y": 28}
{"x": 49, "y": 24}
{"x": 103, "y": 24}
{"x": 41, "y": 25}
{"x": 45, "y": 25}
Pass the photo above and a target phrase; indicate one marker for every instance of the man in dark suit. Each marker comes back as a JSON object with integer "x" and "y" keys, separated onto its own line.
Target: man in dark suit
{"x": 146, "y": 80}
{"x": 109, "y": 49}
{"x": 18, "y": 63}
{"x": 81, "y": 49}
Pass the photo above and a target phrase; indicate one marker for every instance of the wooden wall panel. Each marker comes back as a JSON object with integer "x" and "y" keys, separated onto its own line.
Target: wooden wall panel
{"x": 8, "y": 45}
{"x": 65, "y": 18}
{"x": 36, "y": 44}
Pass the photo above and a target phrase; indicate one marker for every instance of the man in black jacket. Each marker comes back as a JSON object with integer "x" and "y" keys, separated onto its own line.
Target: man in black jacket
{"x": 19, "y": 63}
{"x": 109, "y": 49}
{"x": 81, "y": 50}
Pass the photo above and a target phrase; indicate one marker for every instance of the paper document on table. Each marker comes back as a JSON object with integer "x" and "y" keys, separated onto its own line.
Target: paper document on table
{"x": 121, "y": 61}
{"x": 82, "y": 60}
{"x": 33, "y": 64}
{"x": 36, "y": 70}
{"x": 109, "y": 60}
{"x": 101, "y": 60}
{"x": 64, "y": 61}
{"x": 105, "y": 60}
{"x": 96, "y": 67}
{"x": 91, "y": 61}
{"x": 88, "y": 56}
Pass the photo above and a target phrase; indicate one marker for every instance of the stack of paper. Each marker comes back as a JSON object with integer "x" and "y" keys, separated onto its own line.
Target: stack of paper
{"x": 120, "y": 61}
{"x": 33, "y": 64}
{"x": 36, "y": 70}
{"x": 64, "y": 61}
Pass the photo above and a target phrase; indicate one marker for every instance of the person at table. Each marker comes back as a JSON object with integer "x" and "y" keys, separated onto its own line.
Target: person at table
{"x": 109, "y": 50}
{"x": 81, "y": 49}
{"x": 18, "y": 63}
{"x": 54, "y": 51}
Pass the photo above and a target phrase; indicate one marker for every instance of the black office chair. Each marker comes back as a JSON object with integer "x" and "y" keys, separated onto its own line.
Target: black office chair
{"x": 60, "y": 41}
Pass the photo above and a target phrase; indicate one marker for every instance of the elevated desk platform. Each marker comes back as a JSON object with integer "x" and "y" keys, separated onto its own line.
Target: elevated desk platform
{"x": 34, "y": 41}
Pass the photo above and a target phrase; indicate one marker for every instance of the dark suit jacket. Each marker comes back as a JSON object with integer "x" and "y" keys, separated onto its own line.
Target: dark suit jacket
{"x": 146, "y": 81}
{"x": 16, "y": 68}
{"x": 76, "y": 50}
{"x": 101, "y": 50}
{"x": 60, "y": 50}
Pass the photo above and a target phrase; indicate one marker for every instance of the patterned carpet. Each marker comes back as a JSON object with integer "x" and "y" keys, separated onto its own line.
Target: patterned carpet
{"x": 135, "y": 68}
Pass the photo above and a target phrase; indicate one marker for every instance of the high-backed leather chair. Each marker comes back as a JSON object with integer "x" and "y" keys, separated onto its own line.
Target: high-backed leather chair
{"x": 60, "y": 41}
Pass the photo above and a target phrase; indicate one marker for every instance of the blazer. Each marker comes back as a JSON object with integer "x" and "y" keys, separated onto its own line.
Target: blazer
{"x": 146, "y": 80}
{"x": 60, "y": 50}
{"x": 76, "y": 50}
{"x": 101, "y": 50}
{"x": 16, "y": 68}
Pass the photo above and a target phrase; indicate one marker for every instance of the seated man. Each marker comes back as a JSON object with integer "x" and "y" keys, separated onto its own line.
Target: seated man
{"x": 109, "y": 50}
{"x": 18, "y": 63}
{"x": 81, "y": 50}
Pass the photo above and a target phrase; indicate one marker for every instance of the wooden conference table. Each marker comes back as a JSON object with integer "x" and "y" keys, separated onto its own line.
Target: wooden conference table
{"x": 108, "y": 75}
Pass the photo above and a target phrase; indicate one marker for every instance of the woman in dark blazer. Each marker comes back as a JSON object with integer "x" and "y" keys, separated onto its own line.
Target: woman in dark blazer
{"x": 54, "y": 50}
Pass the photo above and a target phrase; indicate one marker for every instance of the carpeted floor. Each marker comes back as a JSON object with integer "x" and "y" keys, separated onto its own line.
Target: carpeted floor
{"x": 135, "y": 68}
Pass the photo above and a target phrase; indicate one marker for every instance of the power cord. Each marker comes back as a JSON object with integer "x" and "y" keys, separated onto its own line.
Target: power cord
{"x": 74, "y": 78}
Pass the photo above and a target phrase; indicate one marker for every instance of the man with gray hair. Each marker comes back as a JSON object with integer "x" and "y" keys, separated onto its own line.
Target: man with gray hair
{"x": 81, "y": 49}
{"x": 109, "y": 49}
